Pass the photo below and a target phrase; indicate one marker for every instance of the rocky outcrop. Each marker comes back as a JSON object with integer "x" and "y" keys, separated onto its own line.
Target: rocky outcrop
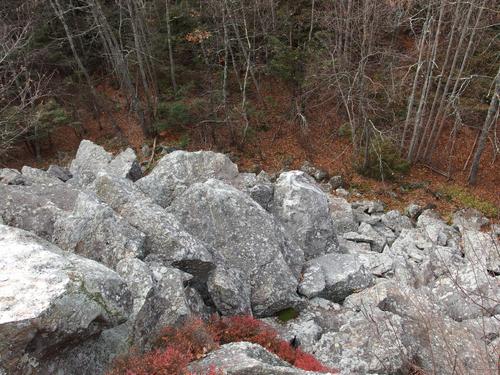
{"x": 303, "y": 209}
{"x": 178, "y": 170}
{"x": 92, "y": 159}
{"x": 50, "y": 298}
{"x": 245, "y": 237}
{"x": 93, "y": 262}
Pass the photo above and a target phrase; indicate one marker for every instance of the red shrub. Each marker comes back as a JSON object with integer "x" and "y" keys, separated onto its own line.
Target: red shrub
{"x": 191, "y": 341}
{"x": 159, "y": 362}
{"x": 308, "y": 362}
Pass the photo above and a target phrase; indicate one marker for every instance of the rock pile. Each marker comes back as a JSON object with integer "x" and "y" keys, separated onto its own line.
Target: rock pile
{"x": 97, "y": 259}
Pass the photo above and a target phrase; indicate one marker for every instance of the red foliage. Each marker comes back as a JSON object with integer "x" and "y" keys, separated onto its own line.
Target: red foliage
{"x": 308, "y": 362}
{"x": 191, "y": 341}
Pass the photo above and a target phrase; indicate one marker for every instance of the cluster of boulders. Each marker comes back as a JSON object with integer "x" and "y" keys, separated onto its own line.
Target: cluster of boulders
{"x": 97, "y": 259}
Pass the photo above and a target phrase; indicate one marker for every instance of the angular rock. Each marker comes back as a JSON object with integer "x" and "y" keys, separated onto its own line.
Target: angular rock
{"x": 469, "y": 219}
{"x": 12, "y": 177}
{"x": 230, "y": 291}
{"x": 245, "y": 358}
{"x": 369, "y": 207}
{"x": 166, "y": 240}
{"x": 35, "y": 208}
{"x": 366, "y": 344}
{"x": 482, "y": 249}
{"x": 165, "y": 305}
{"x": 436, "y": 229}
{"x": 259, "y": 187}
{"x": 468, "y": 293}
{"x": 53, "y": 298}
{"x": 341, "y": 275}
{"x": 139, "y": 279}
{"x": 244, "y": 236}
{"x": 435, "y": 340}
{"x": 90, "y": 159}
{"x": 94, "y": 230}
{"x": 61, "y": 173}
{"x": 342, "y": 215}
{"x": 303, "y": 209}
{"x": 178, "y": 170}
{"x": 379, "y": 264}
{"x": 378, "y": 241}
{"x": 396, "y": 222}
{"x": 39, "y": 176}
{"x": 93, "y": 356}
{"x": 125, "y": 165}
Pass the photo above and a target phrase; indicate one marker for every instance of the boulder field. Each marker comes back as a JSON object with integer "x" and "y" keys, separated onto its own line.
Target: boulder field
{"x": 97, "y": 258}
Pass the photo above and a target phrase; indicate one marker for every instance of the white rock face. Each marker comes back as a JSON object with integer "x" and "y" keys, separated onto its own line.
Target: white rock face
{"x": 243, "y": 236}
{"x": 54, "y": 296}
{"x": 178, "y": 170}
{"x": 91, "y": 159}
{"x": 303, "y": 209}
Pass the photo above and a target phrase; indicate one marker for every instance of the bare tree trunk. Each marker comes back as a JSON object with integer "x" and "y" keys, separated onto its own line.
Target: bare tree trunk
{"x": 312, "y": 21}
{"x": 490, "y": 117}
{"x": 440, "y": 83}
{"x": 169, "y": 42}
{"x": 457, "y": 80}
{"x": 411, "y": 100}
{"x": 439, "y": 113}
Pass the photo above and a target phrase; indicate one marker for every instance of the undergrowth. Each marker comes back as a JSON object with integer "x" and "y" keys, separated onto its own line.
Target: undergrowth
{"x": 177, "y": 347}
{"x": 463, "y": 197}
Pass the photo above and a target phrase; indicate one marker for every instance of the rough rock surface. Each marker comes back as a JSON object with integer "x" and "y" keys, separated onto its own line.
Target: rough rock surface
{"x": 95, "y": 231}
{"x": 178, "y": 170}
{"x": 334, "y": 277}
{"x": 244, "y": 358}
{"x": 41, "y": 289}
{"x": 245, "y": 237}
{"x": 91, "y": 159}
{"x": 303, "y": 209}
{"x": 166, "y": 240}
{"x": 230, "y": 291}
{"x": 196, "y": 237}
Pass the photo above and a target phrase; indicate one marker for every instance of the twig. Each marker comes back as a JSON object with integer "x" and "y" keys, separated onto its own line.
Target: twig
{"x": 152, "y": 154}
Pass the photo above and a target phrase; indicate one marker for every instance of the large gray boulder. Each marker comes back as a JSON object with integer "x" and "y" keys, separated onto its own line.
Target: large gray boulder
{"x": 303, "y": 209}
{"x": 9, "y": 176}
{"x": 178, "y": 170}
{"x": 35, "y": 208}
{"x": 259, "y": 187}
{"x": 35, "y": 175}
{"x": 230, "y": 291}
{"x": 166, "y": 304}
{"x": 469, "y": 219}
{"x": 245, "y": 237}
{"x": 368, "y": 343}
{"x": 439, "y": 344}
{"x": 342, "y": 215}
{"x": 94, "y": 230}
{"x": 51, "y": 298}
{"x": 91, "y": 159}
{"x": 166, "y": 240}
{"x": 334, "y": 277}
{"x": 245, "y": 358}
{"x": 468, "y": 292}
{"x": 482, "y": 249}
